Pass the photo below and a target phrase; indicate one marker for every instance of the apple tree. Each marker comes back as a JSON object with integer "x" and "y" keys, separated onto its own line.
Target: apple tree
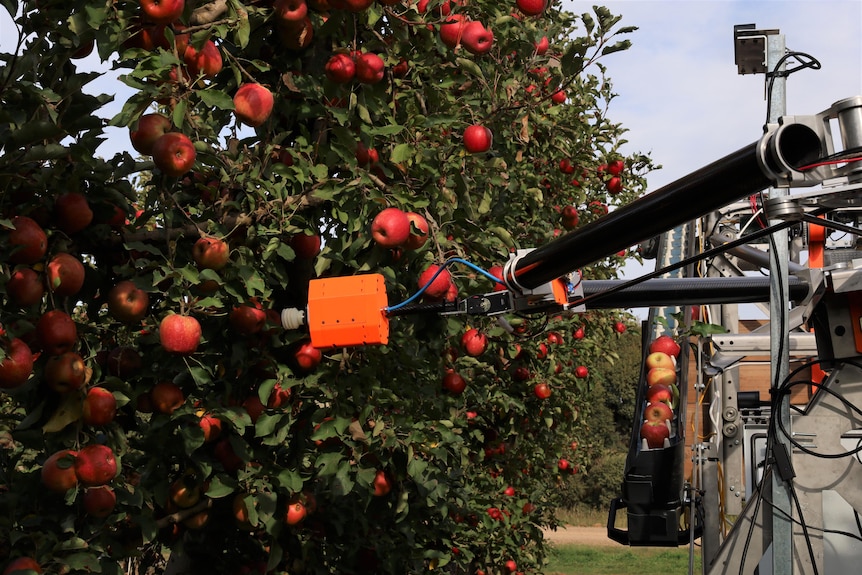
{"x": 155, "y": 413}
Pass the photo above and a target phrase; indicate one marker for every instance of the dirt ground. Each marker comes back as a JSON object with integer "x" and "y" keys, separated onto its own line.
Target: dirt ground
{"x": 592, "y": 536}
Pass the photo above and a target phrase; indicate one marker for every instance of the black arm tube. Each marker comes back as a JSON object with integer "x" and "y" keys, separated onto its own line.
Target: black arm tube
{"x": 659, "y": 292}
{"x": 714, "y": 186}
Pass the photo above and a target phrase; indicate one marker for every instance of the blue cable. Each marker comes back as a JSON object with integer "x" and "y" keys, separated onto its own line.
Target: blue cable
{"x": 446, "y": 264}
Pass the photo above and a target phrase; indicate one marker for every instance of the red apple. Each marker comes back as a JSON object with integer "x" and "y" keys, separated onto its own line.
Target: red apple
{"x": 72, "y": 212}
{"x": 531, "y": 7}
{"x": 570, "y": 217}
{"x": 210, "y": 253}
{"x": 390, "y": 228}
{"x": 306, "y": 246}
{"x": 579, "y": 333}
{"x": 563, "y": 464}
{"x": 658, "y": 412}
{"x": 306, "y": 356}
{"x": 27, "y": 242}
{"x": 100, "y": 406}
{"x": 542, "y": 390}
{"x": 127, "y": 302}
{"x": 382, "y": 485}
{"x": 620, "y": 327}
{"x": 497, "y": 272}
{"x": 210, "y": 426}
{"x": 56, "y": 332}
{"x": 477, "y": 139}
{"x": 99, "y": 501}
{"x": 542, "y": 46}
{"x": 662, "y": 375}
{"x": 253, "y": 104}
{"x": 614, "y": 185}
{"x": 290, "y": 12}
{"x": 660, "y": 393}
{"x": 162, "y": 11}
{"x": 598, "y": 208}
{"x": 666, "y": 344}
{"x": 25, "y": 287}
{"x": 559, "y": 97}
{"x": 207, "y": 61}
{"x": 418, "y": 231}
{"x": 582, "y": 372}
{"x": 439, "y": 286}
{"x": 65, "y": 275}
{"x": 452, "y": 30}
{"x": 659, "y": 359}
{"x": 167, "y": 397}
{"x": 124, "y": 362}
{"x": 22, "y": 564}
{"x": 476, "y": 38}
{"x": 295, "y": 514}
{"x": 174, "y": 154}
{"x": 616, "y": 167}
{"x": 369, "y": 68}
{"x": 511, "y": 566}
{"x": 179, "y": 334}
{"x": 655, "y": 432}
{"x": 474, "y": 342}
{"x": 555, "y": 338}
{"x": 454, "y": 383}
{"x": 366, "y": 156}
{"x": 58, "y": 471}
{"x": 148, "y": 129}
{"x": 247, "y": 320}
{"x": 95, "y": 465}
{"x": 66, "y": 372}
{"x": 509, "y": 491}
{"x": 296, "y": 36}
{"x": 340, "y": 69}
{"x": 16, "y": 367}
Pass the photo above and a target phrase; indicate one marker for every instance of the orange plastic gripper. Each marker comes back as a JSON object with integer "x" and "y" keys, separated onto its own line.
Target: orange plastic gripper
{"x": 348, "y": 311}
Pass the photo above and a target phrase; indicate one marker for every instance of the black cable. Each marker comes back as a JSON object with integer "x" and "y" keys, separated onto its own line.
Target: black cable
{"x": 804, "y": 527}
{"x": 811, "y": 62}
{"x": 792, "y": 519}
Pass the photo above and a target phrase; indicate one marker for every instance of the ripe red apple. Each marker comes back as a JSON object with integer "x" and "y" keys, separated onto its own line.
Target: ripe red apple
{"x": 100, "y": 406}
{"x": 511, "y": 566}
{"x": 206, "y": 61}
{"x": 174, "y": 154}
{"x": 162, "y": 11}
{"x": 305, "y": 246}
{"x": 382, "y": 485}
{"x": 616, "y": 167}
{"x": 210, "y": 426}
{"x": 509, "y": 491}
{"x": 16, "y": 367}
{"x": 662, "y": 375}
{"x": 620, "y": 327}
{"x": 124, "y": 362}
{"x": 58, "y": 471}
{"x": 531, "y": 7}
{"x": 66, "y": 372}
{"x": 477, "y": 139}
{"x": 454, "y": 383}
{"x": 666, "y": 344}
{"x": 476, "y": 38}
{"x": 167, "y": 397}
{"x": 366, "y": 156}
{"x": 418, "y": 231}
{"x": 253, "y": 104}
{"x": 542, "y": 46}
{"x": 25, "y": 287}
{"x": 95, "y": 465}
{"x": 555, "y": 338}
{"x": 127, "y": 302}
{"x": 99, "y": 501}
{"x": 290, "y": 12}
{"x": 559, "y": 97}
{"x": 614, "y": 185}
{"x": 296, "y": 512}
{"x": 56, "y": 332}
{"x": 22, "y": 564}
{"x": 570, "y": 217}
{"x": 179, "y": 334}
{"x": 474, "y": 342}
{"x": 563, "y": 464}
{"x": 369, "y": 68}
{"x": 390, "y": 228}
{"x": 27, "y": 242}
{"x": 655, "y": 432}
{"x": 306, "y": 356}
{"x": 437, "y": 288}
{"x": 247, "y": 319}
{"x": 72, "y": 212}
{"x": 210, "y": 253}
{"x": 598, "y": 208}
{"x": 65, "y": 275}
{"x": 497, "y": 272}
{"x": 340, "y": 69}
{"x": 659, "y": 393}
{"x": 579, "y": 333}
{"x": 452, "y": 30}
{"x": 582, "y": 372}
{"x": 542, "y": 390}
{"x": 148, "y": 129}
{"x": 659, "y": 359}
{"x": 658, "y": 412}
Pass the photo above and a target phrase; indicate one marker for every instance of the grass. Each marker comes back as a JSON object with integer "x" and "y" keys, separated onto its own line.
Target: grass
{"x": 588, "y": 517}
{"x": 582, "y": 560}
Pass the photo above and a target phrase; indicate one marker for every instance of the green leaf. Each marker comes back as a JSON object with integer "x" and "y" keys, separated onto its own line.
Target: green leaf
{"x": 328, "y": 463}
{"x": 401, "y": 153}
{"x": 179, "y": 114}
{"x": 216, "y": 99}
{"x": 618, "y": 47}
{"x": 290, "y": 480}
{"x": 221, "y": 485}
{"x": 470, "y": 66}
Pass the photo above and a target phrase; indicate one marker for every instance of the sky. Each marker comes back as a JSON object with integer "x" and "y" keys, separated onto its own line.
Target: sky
{"x": 679, "y": 93}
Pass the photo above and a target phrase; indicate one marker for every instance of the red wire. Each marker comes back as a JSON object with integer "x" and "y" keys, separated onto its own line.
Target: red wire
{"x": 829, "y": 163}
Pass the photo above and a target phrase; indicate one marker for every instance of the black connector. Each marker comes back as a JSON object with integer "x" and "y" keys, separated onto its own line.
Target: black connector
{"x": 782, "y": 462}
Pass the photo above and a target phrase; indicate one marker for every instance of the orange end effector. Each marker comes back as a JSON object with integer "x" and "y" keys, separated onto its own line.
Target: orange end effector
{"x": 348, "y": 311}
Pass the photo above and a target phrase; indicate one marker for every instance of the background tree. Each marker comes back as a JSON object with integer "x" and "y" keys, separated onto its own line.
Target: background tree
{"x": 158, "y": 416}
